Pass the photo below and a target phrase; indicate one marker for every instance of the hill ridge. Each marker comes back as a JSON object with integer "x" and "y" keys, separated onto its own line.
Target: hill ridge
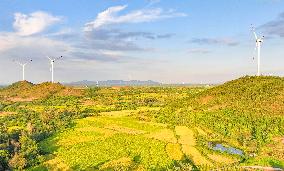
{"x": 262, "y": 94}
{"x": 27, "y": 91}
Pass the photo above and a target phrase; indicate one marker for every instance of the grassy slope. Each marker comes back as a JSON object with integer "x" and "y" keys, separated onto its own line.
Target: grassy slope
{"x": 258, "y": 95}
{"x": 249, "y": 110}
{"x": 23, "y": 90}
{"x": 246, "y": 113}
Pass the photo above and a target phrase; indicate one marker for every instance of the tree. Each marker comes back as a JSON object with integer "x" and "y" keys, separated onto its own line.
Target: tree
{"x": 29, "y": 148}
{"x": 4, "y": 156}
{"x": 18, "y": 161}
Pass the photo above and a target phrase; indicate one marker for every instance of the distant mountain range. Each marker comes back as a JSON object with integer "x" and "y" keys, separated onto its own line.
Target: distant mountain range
{"x": 113, "y": 83}
{"x": 124, "y": 83}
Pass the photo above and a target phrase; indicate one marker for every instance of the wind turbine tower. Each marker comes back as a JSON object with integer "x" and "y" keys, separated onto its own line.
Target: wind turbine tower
{"x": 258, "y": 43}
{"x": 52, "y": 66}
{"x": 23, "y": 67}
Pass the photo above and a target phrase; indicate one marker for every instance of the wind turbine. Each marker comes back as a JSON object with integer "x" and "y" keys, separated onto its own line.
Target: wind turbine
{"x": 52, "y": 66}
{"x": 23, "y": 67}
{"x": 258, "y": 43}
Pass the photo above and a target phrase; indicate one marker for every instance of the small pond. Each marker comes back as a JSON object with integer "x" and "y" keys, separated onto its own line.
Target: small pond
{"x": 227, "y": 149}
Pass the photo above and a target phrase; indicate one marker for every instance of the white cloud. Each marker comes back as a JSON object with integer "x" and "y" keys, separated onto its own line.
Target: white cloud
{"x": 13, "y": 45}
{"x": 6, "y": 41}
{"x": 110, "y": 16}
{"x": 33, "y": 23}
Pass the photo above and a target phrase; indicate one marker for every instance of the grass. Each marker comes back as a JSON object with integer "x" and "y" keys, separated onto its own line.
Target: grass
{"x": 174, "y": 151}
{"x": 222, "y": 159}
{"x": 115, "y": 141}
{"x": 265, "y": 161}
{"x": 195, "y": 155}
{"x": 98, "y": 142}
{"x": 186, "y": 135}
{"x": 92, "y": 154}
{"x": 166, "y": 135}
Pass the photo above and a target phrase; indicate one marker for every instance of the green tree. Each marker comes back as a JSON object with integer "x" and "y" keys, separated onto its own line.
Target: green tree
{"x": 29, "y": 148}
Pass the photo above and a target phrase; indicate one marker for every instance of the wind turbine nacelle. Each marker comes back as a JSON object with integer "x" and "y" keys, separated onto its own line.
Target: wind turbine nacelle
{"x": 259, "y": 40}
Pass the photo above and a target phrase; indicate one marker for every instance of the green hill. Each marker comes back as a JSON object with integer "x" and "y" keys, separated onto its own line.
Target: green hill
{"x": 258, "y": 95}
{"x": 246, "y": 113}
{"x": 26, "y": 91}
{"x": 239, "y": 123}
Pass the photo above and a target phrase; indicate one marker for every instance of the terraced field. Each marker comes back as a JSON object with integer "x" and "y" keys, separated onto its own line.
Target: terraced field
{"x": 116, "y": 141}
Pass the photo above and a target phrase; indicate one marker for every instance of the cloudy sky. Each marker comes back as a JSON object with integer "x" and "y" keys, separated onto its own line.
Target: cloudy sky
{"x": 168, "y": 41}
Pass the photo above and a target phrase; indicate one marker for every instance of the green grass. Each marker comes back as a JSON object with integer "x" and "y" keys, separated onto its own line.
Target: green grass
{"x": 265, "y": 161}
{"x": 115, "y": 140}
{"x": 91, "y": 144}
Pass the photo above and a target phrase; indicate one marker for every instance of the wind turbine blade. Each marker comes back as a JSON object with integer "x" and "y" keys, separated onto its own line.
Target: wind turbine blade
{"x": 49, "y": 58}
{"x": 58, "y": 58}
{"x": 255, "y": 35}
{"x": 28, "y": 62}
{"x": 253, "y": 30}
{"x": 17, "y": 62}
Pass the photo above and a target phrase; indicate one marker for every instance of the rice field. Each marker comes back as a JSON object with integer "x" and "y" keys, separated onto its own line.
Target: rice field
{"x": 115, "y": 141}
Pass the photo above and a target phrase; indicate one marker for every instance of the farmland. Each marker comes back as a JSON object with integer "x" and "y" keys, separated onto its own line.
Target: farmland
{"x": 53, "y": 127}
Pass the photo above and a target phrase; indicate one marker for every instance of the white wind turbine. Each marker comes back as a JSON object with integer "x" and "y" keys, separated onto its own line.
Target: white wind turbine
{"x": 23, "y": 67}
{"x": 258, "y": 43}
{"x": 52, "y": 66}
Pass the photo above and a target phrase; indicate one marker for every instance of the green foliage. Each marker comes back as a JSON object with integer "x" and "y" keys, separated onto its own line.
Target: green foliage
{"x": 18, "y": 162}
{"x": 29, "y": 149}
{"x": 4, "y": 158}
{"x": 92, "y": 92}
{"x": 152, "y": 152}
{"x": 246, "y": 113}
{"x": 266, "y": 161}
{"x": 93, "y": 142}
{"x": 2, "y": 106}
{"x": 237, "y": 110}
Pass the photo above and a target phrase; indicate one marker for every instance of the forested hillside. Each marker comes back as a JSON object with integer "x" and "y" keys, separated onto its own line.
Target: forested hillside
{"x": 258, "y": 95}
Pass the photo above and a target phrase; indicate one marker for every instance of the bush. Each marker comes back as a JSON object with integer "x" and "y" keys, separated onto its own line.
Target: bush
{"x": 18, "y": 161}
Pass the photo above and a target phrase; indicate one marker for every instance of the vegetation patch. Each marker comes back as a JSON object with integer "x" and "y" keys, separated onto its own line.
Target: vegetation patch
{"x": 222, "y": 159}
{"x": 195, "y": 155}
{"x": 174, "y": 151}
{"x": 86, "y": 147}
{"x": 186, "y": 135}
{"x": 166, "y": 135}
{"x": 123, "y": 163}
{"x": 142, "y": 128}
{"x": 124, "y": 129}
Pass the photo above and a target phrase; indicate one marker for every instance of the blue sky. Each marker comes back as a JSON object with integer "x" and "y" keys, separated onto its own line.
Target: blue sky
{"x": 168, "y": 41}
